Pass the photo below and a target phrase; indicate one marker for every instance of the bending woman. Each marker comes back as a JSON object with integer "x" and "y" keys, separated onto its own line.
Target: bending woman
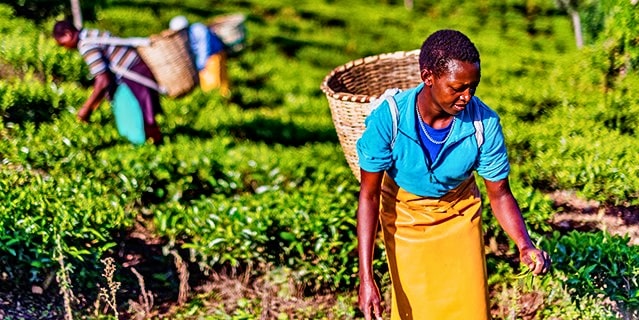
{"x": 100, "y": 57}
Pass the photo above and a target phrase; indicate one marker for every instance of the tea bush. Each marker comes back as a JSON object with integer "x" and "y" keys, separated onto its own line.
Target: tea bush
{"x": 598, "y": 264}
{"x": 259, "y": 179}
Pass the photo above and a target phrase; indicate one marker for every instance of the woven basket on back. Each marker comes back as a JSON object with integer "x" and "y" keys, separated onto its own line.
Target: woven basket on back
{"x": 170, "y": 61}
{"x": 351, "y": 87}
{"x": 231, "y": 30}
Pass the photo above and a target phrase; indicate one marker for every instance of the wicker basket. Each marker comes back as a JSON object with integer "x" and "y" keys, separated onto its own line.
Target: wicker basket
{"x": 351, "y": 87}
{"x": 170, "y": 61}
{"x": 231, "y": 30}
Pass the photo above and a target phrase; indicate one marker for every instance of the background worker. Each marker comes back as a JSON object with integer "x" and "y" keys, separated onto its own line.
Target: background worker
{"x": 208, "y": 52}
{"x": 100, "y": 58}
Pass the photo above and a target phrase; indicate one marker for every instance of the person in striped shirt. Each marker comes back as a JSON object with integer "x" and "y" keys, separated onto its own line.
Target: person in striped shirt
{"x": 100, "y": 58}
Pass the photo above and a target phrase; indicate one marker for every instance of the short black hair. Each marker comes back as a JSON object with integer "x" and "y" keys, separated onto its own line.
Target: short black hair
{"x": 443, "y": 46}
{"x": 63, "y": 26}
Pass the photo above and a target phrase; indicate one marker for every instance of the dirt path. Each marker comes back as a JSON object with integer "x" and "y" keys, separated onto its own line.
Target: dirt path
{"x": 578, "y": 214}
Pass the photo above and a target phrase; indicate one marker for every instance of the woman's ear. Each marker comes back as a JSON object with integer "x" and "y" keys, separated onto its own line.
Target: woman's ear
{"x": 427, "y": 77}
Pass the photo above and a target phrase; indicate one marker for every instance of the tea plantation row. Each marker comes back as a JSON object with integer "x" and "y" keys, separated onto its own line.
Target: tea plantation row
{"x": 259, "y": 179}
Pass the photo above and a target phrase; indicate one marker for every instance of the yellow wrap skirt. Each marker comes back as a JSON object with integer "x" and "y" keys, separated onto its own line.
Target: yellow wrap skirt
{"x": 214, "y": 75}
{"x": 435, "y": 253}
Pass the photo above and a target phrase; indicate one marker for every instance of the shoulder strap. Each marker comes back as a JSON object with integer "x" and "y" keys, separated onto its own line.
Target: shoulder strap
{"x": 477, "y": 122}
{"x": 479, "y": 127}
{"x": 392, "y": 105}
{"x": 115, "y": 41}
{"x": 134, "y": 76}
{"x": 133, "y": 42}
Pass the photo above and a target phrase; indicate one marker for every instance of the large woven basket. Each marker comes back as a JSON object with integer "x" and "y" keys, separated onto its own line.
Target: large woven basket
{"x": 231, "y": 30}
{"x": 169, "y": 58}
{"x": 351, "y": 87}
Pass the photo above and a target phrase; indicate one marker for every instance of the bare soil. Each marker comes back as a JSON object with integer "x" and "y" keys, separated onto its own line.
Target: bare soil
{"x": 158, "y": 285}
{"x": 584, "y": 215}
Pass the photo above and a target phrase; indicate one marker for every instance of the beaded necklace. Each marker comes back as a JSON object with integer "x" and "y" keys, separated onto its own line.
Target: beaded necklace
{"x": 421, "y": 125}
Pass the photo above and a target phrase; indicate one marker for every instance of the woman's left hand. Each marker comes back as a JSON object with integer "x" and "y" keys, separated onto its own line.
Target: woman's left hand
{"x": 537, "y": 260}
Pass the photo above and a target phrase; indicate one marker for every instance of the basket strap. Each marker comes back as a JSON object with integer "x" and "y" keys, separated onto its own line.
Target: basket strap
{"x": 388, "y": 95}
{"x": 134, "y": 76}
{"x": 122, "y": 72}
{"x": 479, "y": 127}
{"x": 392, "y": 105}
{"x": 115, "y": 41}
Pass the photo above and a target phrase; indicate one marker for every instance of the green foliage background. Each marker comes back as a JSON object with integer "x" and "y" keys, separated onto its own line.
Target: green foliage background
{"x": 259, "y": 178}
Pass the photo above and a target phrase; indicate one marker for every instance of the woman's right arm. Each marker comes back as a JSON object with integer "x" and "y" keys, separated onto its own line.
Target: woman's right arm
{"x": 367, "y": 220}
{"x": 100, "y": 87}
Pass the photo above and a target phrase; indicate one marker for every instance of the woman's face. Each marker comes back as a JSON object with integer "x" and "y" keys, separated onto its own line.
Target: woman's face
{"x": 451, "y": 91}
{"x": 67, "y": 40}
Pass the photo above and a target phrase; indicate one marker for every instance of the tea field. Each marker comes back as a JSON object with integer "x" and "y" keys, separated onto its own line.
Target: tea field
{"x": 247, "y": 208}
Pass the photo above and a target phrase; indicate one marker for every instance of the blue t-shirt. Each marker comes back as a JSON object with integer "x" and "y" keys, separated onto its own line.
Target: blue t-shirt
{"x": 204, "y": 43}
{"x": 431, "y": 149}
{"x": 459, "y": 156}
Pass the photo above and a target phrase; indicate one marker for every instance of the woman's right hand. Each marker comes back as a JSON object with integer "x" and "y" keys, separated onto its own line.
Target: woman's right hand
{"x": 369, "y": 298}
{"x": 538, "y": 261}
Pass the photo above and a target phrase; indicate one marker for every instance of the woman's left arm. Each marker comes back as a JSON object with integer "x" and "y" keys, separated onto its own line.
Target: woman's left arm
{"x": 509, "y": 216}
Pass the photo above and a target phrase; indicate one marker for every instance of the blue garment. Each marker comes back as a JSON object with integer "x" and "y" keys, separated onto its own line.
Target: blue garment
{"x": 432, "y": 149}
{"x": 128, "y": 115}
{"x": 459, "y": 156}
{"x": 204, "y": 43}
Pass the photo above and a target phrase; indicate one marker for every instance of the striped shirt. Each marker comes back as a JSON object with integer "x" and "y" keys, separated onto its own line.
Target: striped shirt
{"x": 99, "y": 56}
